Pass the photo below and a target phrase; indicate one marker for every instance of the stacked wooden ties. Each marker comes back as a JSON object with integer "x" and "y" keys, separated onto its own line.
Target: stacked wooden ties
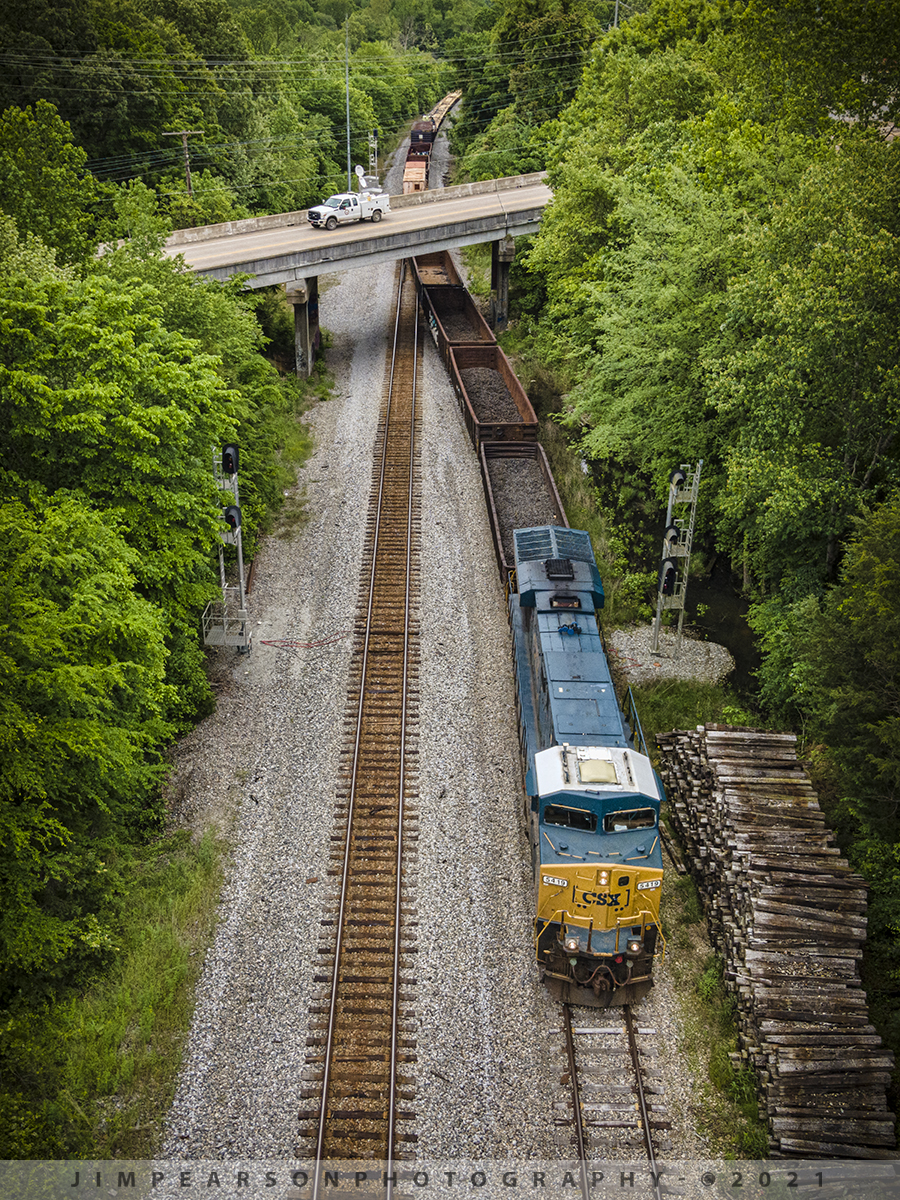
{"x": 788, "y": 916}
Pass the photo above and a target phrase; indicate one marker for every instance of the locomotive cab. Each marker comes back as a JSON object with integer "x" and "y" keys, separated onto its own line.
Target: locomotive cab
{"x": 598, "y": 867}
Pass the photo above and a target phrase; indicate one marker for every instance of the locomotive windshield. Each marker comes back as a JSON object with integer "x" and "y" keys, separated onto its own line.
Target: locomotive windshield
{"x": 571, "y": 818}
{"x": 633, "y": 818}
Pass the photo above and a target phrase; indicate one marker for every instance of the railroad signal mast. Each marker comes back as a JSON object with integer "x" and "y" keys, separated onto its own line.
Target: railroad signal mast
{"x": 226, "y": 621}
{"x": 373, "y": 154}
{"x": 681, "y": 515}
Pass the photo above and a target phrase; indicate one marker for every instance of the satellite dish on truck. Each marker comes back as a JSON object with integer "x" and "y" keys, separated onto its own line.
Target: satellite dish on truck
{"x": 367, "y": 183}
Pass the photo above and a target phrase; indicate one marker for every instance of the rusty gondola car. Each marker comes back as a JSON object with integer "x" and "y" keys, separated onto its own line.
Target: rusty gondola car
{"x": 494, "y": 405}
{"x": 519, "y": 488}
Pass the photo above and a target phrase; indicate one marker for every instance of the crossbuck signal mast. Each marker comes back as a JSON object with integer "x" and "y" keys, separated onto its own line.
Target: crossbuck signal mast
{"x": 681, "y": 515}
{"x": 226, "y": 621}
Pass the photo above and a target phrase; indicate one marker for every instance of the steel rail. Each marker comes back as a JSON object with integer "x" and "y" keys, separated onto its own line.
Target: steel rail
{"x": 642, "y": 1100}
{"x": 634, "y": 1053}
{"x": 576, "y": 1100}
{"x": 342, "y": 906}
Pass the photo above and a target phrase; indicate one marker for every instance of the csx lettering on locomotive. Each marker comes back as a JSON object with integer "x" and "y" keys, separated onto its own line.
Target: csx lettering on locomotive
{"x": 613, "y": 900}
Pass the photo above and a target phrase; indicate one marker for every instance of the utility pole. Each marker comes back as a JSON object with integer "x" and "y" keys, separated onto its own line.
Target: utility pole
{"x": 184, "y": 134}
{"x": 347, "y": 88}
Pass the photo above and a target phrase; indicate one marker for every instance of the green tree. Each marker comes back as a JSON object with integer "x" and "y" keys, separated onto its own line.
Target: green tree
{"x": 44, "y": 186}
{"x": 546, "y": 44}
{"x": 507, "y": 147}
{"x": 212, "y": 202}
{"x": 814, "y": 384}
{"x": 806, "y": 61}
{"x": 833, "y": 664}
{"x": 98, "y": 396}
{"x": 25, "y": 255}
{"x": 81, "y": 718}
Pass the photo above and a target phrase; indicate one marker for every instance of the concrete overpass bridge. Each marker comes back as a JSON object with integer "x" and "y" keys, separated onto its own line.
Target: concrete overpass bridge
{"x": 286, "y": 249}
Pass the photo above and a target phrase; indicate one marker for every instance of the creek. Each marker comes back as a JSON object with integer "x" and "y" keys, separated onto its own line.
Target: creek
{"x": 722, "y": 618}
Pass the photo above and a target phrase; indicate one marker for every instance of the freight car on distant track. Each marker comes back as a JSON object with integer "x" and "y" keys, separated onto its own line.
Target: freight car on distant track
{"x": 421, "y": 143}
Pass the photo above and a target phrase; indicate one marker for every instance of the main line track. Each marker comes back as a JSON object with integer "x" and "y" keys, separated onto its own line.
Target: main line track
{"x": 611, "y": 1108}
{"x": 363, "y": 1037}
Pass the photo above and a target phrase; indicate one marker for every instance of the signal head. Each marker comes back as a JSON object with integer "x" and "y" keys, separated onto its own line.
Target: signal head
{"x": 668, "y": 574}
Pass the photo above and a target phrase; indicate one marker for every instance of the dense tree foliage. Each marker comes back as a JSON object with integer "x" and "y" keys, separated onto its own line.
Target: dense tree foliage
{"x": 120, "y": 374}
{"x": 44, "y": 186}
{"x": 260, "y": 87}
{"x": 82, "y": 718}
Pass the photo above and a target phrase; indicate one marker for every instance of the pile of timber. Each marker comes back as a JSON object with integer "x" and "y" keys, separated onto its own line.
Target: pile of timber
{"x": 788, "y": 917}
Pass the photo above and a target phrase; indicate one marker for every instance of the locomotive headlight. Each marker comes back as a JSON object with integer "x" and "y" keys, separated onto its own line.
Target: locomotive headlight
{"x": 571, "y": 943}
{"x": 635, "y": 946}
{"x": 603, "y": 877}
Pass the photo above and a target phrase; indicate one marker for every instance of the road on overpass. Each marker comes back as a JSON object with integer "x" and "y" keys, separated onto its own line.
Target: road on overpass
{"x": 287, "y": 248}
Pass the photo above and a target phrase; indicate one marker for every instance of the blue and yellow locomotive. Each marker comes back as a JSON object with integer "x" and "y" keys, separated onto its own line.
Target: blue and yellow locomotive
{"x": 592, "y": 795}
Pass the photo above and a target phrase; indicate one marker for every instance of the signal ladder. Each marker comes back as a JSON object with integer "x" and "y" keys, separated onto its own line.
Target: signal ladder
{"x": 681, "y": 515}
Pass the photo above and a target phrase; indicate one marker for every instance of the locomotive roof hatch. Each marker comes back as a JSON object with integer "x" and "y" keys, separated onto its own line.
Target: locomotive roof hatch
{"x": 595, "y": 770}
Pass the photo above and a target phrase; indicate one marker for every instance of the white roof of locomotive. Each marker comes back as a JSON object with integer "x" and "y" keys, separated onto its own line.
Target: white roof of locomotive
{"x": 600, "y": 770}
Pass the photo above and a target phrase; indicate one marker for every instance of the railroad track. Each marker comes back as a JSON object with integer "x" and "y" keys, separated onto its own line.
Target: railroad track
{"x": 616, "y": 1107}
{"x": 358, "y": 1084}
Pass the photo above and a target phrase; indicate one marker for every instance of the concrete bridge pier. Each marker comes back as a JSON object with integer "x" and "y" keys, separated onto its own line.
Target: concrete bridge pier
{"x": 502, "y": 254}
{"x": 304, "y": 295}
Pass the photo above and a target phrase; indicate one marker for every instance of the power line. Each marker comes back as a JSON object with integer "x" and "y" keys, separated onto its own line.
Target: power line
{"x": 168, "y": 66}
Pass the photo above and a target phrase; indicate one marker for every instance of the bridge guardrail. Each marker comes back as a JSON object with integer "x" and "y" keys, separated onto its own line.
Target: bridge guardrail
{"x": 208, "y": 233}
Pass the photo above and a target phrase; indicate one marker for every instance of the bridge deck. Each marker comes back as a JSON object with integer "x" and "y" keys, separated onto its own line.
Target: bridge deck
{"x": 284, "y": 248}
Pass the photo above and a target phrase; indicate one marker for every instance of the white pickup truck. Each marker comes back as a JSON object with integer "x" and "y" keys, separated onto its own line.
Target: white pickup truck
{"x": 349, "y": 206}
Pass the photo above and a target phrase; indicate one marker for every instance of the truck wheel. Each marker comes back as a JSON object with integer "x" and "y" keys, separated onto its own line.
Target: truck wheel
{"x": 377, "y": 214}
{"x": 331, "y": 223}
